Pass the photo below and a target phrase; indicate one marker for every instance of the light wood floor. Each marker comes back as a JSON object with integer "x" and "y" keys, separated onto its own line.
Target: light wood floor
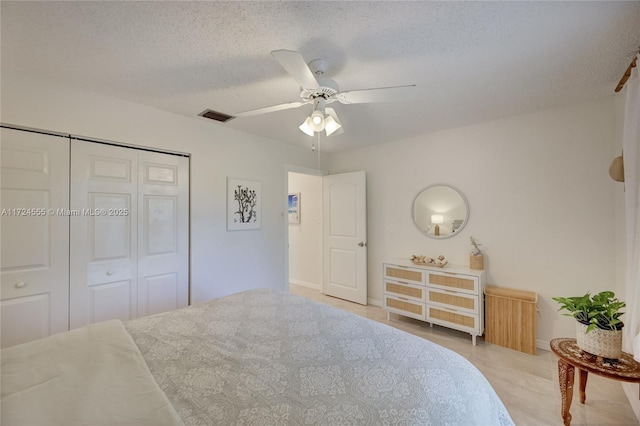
{"x": 527, "y": 384}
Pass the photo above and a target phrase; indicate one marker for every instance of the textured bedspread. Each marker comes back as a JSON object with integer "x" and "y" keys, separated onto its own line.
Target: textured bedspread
{"x": 265, "y": 357}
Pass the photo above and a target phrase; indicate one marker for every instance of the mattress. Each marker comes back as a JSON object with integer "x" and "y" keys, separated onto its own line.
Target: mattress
{"x": 94, "y": 375}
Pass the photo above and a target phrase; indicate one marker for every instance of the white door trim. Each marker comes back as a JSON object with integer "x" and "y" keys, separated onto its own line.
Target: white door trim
{"x": 285, "y": 223}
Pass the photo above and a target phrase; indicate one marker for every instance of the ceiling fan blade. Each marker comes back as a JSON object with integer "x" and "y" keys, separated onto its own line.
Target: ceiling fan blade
{"x": 273, "y": 108}
{"x": 382, "y": 94}
{"x": 295, "y": 65}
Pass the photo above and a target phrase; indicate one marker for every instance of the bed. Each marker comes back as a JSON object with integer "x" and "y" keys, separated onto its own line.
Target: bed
{"x": 255, "y": 357}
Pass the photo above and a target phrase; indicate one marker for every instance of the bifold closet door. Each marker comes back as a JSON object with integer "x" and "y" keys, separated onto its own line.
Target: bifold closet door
{"x": 104, "y": 251}
{"x": 129, "y": 251}
{"x": 35, "y": 236}
{"x": 163, "y": 232}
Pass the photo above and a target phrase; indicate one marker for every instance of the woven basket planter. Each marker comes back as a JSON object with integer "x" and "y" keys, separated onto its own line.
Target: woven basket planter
{"x": 476, "y": 261}
{"x": 599, "y": 342}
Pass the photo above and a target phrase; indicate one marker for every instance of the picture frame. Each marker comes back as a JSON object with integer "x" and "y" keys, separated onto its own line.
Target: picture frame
{"x": 244, "y": 204}
{"x": 293, "y": 208}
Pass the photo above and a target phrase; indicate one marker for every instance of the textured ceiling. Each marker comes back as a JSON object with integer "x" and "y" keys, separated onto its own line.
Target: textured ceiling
{"x": 471, "y": 61}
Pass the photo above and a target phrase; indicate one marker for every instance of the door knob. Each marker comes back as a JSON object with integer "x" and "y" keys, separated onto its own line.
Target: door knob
{"x": 361, "y": 244}
{"x": 21, "y": 284}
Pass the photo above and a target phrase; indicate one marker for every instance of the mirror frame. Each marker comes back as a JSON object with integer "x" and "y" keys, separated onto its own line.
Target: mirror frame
{"x": 453, "y": 234}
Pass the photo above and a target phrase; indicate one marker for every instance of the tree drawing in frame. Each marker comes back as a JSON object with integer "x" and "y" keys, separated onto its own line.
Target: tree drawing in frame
{"x": 244, "y": 203}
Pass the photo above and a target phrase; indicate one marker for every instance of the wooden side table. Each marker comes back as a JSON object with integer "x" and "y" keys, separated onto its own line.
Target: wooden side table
{"x": 625, "y": 369}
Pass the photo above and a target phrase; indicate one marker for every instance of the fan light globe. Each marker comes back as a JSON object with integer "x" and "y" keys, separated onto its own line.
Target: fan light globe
{"x": 331, "y": 122}
{"x": 317, "y": 121}
{"x": 305, "y": 127}
{"x": 331, "y": 125}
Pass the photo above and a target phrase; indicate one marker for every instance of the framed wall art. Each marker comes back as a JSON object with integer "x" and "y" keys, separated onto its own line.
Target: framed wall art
{"x": 244, "y": 204}
{"x": 294, "y": 208}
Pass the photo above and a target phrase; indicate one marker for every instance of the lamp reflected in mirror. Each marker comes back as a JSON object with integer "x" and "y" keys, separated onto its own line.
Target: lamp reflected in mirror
{"x": 437, "y": 219}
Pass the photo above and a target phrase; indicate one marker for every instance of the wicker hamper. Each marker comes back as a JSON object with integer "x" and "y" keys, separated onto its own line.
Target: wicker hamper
{"x": 511, "y": 318}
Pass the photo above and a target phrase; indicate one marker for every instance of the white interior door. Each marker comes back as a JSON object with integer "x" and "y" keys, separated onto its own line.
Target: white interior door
{"x": 104, "y": 254}
{"x": 345, "y": 236}
{"x": 163, "y": 232}
{"x": 35, "y": 236}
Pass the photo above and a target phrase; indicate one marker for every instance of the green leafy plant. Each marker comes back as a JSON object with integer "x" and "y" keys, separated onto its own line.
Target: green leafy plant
{"x": 601, "y": 310}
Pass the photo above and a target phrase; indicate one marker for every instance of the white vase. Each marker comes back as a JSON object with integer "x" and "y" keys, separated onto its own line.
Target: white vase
{"x": 599, "y": 342}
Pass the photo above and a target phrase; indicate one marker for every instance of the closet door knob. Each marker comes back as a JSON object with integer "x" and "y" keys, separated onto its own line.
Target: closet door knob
{"x": 109, "y": 273}
{"x": 21, "y": 284}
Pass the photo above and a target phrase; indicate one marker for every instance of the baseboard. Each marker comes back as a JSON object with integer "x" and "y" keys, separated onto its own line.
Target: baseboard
{"x": 633, "y": 395}
{"x": 374, "y": 302}
{"x": 305, "y": 284}
{"x": 543, "y": 344}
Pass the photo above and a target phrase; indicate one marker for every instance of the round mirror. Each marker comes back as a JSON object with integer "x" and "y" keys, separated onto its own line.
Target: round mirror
{"x": 440, "y": 211}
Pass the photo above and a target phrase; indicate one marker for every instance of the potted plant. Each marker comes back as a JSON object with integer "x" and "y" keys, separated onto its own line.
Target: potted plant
{"x": 598, "y": 326}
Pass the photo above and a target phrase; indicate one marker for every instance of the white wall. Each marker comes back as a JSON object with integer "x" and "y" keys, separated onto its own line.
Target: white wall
{"x": 542, "y": 203}
{"x": 305, "y": 238}
{"x": 541, "y": 200}
{"x": 221, "y": 262}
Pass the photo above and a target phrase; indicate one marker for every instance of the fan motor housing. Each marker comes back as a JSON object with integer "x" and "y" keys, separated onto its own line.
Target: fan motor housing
{"x": 327, "y": 88}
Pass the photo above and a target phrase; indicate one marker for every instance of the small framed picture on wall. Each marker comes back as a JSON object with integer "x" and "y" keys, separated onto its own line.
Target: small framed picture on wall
{"x": 244, "y": 204}
{"x": 294, "y": 208}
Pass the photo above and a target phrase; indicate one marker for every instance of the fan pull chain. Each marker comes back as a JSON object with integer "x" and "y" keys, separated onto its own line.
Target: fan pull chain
{"x": 318, "y": 137}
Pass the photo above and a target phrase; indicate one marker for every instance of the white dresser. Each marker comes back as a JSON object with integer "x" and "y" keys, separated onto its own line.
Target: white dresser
{"x": 449, "y": 296}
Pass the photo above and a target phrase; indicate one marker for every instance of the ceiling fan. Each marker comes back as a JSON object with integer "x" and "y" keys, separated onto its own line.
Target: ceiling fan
{"x": 319, "y": 90}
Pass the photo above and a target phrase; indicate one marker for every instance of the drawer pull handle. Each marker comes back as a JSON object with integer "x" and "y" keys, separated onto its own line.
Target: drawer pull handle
{"x": 403, "y": 298}
{"x": 21, "y": 284}
{"x": 109, "y": 273}
{"x": 402, "y": 282}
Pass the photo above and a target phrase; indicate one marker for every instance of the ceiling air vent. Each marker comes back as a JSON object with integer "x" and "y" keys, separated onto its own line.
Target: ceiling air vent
{"x": 215, "y": 115}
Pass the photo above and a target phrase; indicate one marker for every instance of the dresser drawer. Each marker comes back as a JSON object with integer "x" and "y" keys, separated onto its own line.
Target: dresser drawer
{"x": 404, "y": 306}
{"x": 452, "y": 318}
{"x": 453, "y": 300}
{"x": 456, "y": 282}
{"x": 405, "y": 290}
{"x": 405, "y": 274}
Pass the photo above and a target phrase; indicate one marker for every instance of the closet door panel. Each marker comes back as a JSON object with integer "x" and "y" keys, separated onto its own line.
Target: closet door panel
{"x": 25, "y": 318}
{"x": 163, "y": 232}
{"x": 34, "y": 199}
{"x": 110, "y": 301}
{"x": 26, "y": 238}
{"x": 103, "y": 233}
{"x": 159, "y": 293}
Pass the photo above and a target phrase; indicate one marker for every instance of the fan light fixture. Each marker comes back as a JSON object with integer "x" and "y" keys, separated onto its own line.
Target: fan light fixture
{"x": 318, "y": 121}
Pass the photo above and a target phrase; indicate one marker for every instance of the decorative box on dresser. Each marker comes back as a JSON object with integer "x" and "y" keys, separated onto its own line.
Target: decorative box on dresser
{"x": 450, "y": 296}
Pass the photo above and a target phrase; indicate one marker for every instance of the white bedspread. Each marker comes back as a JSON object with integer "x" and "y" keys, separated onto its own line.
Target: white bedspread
{"x": 263, "y": 357}
{"x": 93, "y": 375}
